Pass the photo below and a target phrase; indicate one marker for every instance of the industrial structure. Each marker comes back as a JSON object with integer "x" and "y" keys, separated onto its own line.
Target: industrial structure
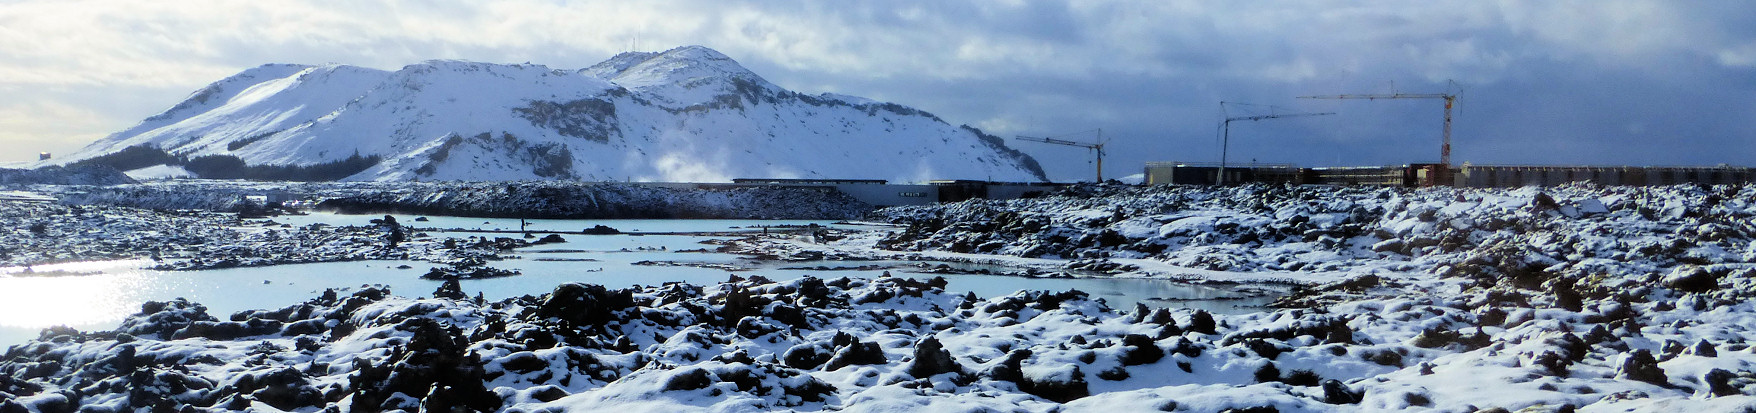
{"x": 1450, "y": 100}
{"x": 1226, "y": 135}
{"x": 1474, "y": 176}
{"x": 1428, "y": 174}
{"x": 1096, "y": 147}
{"x": 879, "y": 192}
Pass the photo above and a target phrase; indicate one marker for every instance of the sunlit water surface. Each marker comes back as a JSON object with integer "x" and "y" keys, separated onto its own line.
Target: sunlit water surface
{"x": 115, "y": 289}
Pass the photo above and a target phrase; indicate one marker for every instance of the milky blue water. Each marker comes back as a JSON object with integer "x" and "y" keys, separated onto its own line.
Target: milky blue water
{"x": 115, "y": 289}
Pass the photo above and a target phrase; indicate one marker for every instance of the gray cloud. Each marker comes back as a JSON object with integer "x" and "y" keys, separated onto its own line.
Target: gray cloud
{"x": 1577, "y": 82}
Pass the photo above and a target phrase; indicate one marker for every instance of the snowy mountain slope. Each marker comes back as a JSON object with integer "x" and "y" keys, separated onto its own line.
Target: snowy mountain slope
{"x": 269, "y": 97}
{"x": 688, "y": 114}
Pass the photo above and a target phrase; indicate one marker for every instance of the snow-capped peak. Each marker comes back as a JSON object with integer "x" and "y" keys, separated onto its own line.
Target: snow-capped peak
{"x": 616, "y": 64}
{"x": 686, "y": 114}
{"x": 680, "y": 66}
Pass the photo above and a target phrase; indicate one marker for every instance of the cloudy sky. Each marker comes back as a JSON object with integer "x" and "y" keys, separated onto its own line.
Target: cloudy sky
{"x": 1542, "y": 82}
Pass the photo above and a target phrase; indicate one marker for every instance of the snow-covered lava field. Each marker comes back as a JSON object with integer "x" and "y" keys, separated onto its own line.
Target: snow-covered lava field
{"x": 1575, "y": 298}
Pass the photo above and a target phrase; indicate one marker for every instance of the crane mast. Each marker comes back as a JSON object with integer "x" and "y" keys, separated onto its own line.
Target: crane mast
{"x": 1226, "y": 141}
{"x": 1097, "y": 148}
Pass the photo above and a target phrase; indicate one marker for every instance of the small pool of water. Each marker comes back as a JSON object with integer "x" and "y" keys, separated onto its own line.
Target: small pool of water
{"x": 111, "y": 290}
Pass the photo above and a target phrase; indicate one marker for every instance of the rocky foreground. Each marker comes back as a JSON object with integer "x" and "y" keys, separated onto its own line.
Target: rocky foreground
{"x": 1645, "y": 289}
{"x": 1578, "y": 298}
{"x": 1318, "y": 228}
{"x": 36, "y": 233}
{"x": 194, "y": 225}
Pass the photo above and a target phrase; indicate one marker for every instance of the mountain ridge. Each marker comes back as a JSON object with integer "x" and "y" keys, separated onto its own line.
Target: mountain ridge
{"x": 687, "y": 114}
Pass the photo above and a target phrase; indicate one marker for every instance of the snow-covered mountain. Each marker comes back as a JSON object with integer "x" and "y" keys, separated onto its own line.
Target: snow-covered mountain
{"x": 689, "y": 114}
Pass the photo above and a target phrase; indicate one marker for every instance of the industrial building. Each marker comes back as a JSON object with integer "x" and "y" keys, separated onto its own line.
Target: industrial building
{"x": 1472, "y": 176}
{"x": 1443, "y": 173}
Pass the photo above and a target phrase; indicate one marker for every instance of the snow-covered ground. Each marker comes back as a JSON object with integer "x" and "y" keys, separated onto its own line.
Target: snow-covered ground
{"x": 159, "y": 173}
{"x": 1574, "y": 298}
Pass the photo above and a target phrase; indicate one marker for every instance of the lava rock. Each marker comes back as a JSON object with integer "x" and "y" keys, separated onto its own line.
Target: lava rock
{"x": 227, "y": 330}
{"x": 1202, "y": 322}
{"x": 1334, "y": 392}
{"x": 285, "y": 389}
{"x": 549, "y": 239}
{"x": 1641, "y": 366}
{"x": 450, "y": 289}
{"x": 1702, "y": 348}
{"x": 1267, "y": 373}
{"x": 600, "y": 230}
{"x": 932, "y": 359}
{"x": 1186, "y": 348}
{"x": 806, "y": 356}
{"x": 1010, "y": 368}
{"x": 1062, "y": 384}
{"x": 1434, "y": 338}
{"x": 434, "y": 366}
{"x": 1691, "y": 278}
{"x": 547, "y": 393}
{"x": 689, "y": 379}
{"x": 858, "y": 352}
{"x": 1544, "y": 202}
{"x": 1384, "y": 358}
{"x": 1263, "y": 347}
{"x": 164, "y": 318}
{"x": 585, "y": 304}
{"x": 1140, "y": 350}
{"x": 1719, "y": 382}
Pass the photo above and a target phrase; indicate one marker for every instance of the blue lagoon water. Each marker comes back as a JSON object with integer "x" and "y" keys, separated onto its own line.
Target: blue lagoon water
{"x": 115, "y": 289}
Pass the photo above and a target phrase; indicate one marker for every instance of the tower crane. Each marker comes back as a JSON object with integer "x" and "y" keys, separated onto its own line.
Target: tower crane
{"x": 1227, "y": 136}
{"x": 1450, "y": 99}
{"x": 1096, "y": 148}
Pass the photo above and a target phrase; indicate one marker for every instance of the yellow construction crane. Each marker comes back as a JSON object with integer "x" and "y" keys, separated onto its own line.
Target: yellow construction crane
{"x": 1226, "y": 139}
{"x": 1096, "y": 148}
{"x": 1450, "y": 99}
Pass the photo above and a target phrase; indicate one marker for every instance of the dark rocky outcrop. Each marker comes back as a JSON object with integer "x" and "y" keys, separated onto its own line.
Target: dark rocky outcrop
{"x": 584, "y": 304}
{"x": 856, "y": 353}
{"x": 1641, "y": 366}
{"x": 79, "y": 174}
{"x": 434, "y": 367}
{"x": 1067, "y": 386}
{"x": 931, "y": 358}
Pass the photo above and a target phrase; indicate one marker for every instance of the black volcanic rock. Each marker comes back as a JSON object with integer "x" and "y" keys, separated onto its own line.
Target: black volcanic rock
{"x": 78, "y": 174}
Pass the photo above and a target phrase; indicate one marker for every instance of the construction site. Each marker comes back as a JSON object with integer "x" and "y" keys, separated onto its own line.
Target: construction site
{"x": 1473, "y": 176}
{"x": 1443, "y": 173}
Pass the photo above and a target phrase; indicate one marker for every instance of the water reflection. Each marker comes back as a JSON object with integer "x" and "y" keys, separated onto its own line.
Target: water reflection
{"x": 41, "y": 302}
